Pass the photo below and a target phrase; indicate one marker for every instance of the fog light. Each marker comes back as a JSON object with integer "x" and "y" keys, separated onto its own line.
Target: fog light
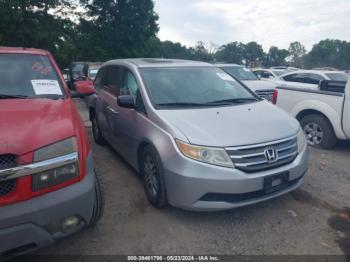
{"x": 70, "y": 224}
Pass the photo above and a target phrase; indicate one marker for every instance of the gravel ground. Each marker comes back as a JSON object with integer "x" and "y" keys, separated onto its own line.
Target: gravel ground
{"x": 313, "y": 220}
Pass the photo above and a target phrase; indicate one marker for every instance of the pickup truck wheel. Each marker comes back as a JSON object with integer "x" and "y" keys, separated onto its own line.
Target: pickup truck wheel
{"x": 153, "y": 181}
{"x": 99, "y": 202}
{"x": 319, "y": 131}
{"x": 96, "y": 132}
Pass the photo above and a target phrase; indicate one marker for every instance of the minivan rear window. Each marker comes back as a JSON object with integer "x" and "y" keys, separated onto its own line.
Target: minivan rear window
{"x": 194, "y": 86}
{"x": 28, "y": 75}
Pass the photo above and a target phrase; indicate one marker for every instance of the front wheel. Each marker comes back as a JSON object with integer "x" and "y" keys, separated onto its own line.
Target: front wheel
{"x": 99, "y": 201}
{"x": 319, "y": 131}
{"x": 153, "y": 181}
{"x": 96, "y": 132}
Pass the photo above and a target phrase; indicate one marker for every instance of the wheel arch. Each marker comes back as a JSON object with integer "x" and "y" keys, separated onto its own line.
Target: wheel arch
{"x": 323, "y": 109}
{"x": 307, "y": 112}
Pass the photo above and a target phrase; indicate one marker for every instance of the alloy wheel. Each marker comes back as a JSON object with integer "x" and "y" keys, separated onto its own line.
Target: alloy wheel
{"x": 150, "y": 172}
{"x": 314, "y": 133}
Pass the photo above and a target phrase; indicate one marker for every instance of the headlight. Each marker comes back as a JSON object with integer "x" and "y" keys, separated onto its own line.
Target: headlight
{"x": 57, "y": 175}
{"x": 214, "y": 156}
{"x": 61, "y": 148}
{"x": 301, "y": 140}
{"x": 54, "y": 177}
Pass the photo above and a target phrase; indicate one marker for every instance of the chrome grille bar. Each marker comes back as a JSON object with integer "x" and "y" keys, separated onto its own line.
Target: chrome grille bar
{"x": 253, "y": 158}
{"x": 37, "y": 167}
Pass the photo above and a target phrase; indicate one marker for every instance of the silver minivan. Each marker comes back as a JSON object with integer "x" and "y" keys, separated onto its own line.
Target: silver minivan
{"x": 199, "y": 139}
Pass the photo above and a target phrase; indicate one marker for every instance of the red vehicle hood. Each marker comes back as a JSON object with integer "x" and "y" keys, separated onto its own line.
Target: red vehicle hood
{"x": 29, "y": 124}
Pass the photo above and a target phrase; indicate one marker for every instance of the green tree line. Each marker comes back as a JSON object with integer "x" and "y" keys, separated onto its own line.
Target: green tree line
{"x": 109, "y": 29}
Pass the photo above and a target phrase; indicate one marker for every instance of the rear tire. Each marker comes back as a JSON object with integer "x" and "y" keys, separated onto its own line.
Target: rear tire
{"x": 153, "y": 179}
{"x": 319, "y": 131}
{"x": 96, "y": 132}
{"x": 99, "y": 201}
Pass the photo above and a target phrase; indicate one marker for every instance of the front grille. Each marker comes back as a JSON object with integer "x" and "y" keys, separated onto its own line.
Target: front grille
{"x": 7, "y": 187}
{"x": 7, "y": 161}
{"x": 265, "y": 94}
{"x": 253, "y": 158}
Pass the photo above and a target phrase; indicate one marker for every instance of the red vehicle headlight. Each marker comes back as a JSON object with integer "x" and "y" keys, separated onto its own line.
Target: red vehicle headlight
{"x": 54, "y": 176}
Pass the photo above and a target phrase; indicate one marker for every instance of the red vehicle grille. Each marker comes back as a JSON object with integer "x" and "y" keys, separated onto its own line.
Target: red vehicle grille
{"x": 7, "y": 161}
{"x": 8, "y": 186}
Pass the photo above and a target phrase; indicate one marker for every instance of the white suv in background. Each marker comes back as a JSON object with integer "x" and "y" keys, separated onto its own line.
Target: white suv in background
{"x": 268, "y": 73}
{"x": 312, "y": 78}
{"x": 264, "y": 89}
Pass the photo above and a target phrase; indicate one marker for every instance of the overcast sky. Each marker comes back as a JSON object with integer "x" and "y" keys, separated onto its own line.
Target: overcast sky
{"x": 268, "y": 22}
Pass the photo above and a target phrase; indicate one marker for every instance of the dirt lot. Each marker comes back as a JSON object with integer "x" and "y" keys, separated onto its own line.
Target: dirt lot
{"x": 312, "y": 220}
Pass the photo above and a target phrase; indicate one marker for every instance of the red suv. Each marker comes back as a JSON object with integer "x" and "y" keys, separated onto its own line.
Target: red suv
{"x": 48, "y": 186}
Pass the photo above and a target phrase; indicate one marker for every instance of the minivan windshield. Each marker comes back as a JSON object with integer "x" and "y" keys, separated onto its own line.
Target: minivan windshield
{"x": 241, "y": 73}
{"x": 193, "y": 87}
{"x": 28, "y": 76}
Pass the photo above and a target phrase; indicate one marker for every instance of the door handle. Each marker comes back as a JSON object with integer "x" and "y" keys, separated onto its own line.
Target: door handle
{"x": 112, "y": 110}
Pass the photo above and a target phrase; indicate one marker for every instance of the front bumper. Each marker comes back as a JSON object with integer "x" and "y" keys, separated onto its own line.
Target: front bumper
{"x": 32, "y": 224}
{"x": 188, "y": 182}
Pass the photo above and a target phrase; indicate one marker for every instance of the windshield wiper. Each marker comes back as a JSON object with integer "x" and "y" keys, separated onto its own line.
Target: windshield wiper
{"x": 183, "y": 104}
{"x": 4, "y": 96}
{"x": 50, "y": 96}
{"x": 209, "y": 104}
{"x": 234, "y": 100}
{"x": 53, "y": 97}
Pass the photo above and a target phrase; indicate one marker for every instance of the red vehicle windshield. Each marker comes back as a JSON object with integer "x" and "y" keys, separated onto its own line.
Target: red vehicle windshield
{"x": 28, "y": 76}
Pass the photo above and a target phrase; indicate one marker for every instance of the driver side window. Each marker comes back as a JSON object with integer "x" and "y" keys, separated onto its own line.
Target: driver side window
{"x": 129, "y": 86}
{"x": 99, "y": 78}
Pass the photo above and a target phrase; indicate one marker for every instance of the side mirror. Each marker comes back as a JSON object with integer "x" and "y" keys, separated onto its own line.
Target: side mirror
{"x": 126, "y": 101}
{"x": 84, "y": 88}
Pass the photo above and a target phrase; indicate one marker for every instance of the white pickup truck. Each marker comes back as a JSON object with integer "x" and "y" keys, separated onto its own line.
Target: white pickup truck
{"x": 324, "y": 113}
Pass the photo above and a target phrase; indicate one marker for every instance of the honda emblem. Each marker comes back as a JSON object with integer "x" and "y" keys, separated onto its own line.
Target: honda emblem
{"x": 271, "y": 155}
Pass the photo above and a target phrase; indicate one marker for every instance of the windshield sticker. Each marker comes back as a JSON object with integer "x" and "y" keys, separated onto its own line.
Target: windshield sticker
{"x": 46, "y": 87}
{"x": 225, "y": 76}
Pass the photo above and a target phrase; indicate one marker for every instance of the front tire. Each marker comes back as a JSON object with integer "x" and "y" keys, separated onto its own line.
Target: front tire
{"x": 96, "y": 132}
{"x": 153, "y": 180}
{"x": 99, "y": 202}
{"x": 319, "y": 131}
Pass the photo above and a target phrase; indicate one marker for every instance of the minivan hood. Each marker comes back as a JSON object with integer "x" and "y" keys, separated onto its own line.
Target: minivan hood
{"x": 232, "y": 125}
{"x": 29, "y": 124}
{"x": 259, "y": 85}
